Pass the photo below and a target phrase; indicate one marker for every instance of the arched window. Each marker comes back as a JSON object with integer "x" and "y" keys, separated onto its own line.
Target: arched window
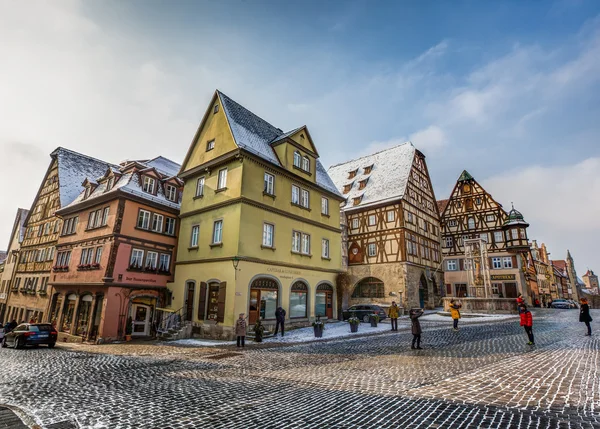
{"x": 471, "y": 223}
{"x": 324, "y": 301}
{"x": 369, "y": 287}
{"x": 299, "y": 300}
{"x": 297, "y": 159}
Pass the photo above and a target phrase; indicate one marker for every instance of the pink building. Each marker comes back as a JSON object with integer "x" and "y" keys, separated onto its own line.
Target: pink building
{"x": 116, "y": 252}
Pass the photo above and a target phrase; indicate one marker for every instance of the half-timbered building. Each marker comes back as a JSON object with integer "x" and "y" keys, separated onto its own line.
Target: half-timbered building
{"x": 482, "y": 244}
{"x": 393, "y": 230}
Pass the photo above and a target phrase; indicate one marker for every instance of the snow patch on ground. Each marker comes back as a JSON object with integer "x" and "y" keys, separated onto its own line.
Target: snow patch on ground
{"x": 332, "y": 331}
{"x": 201, "y": 343}
{"x": 465, "y": 320}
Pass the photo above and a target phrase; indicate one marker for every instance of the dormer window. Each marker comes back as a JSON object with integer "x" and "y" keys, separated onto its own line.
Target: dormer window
{"x": 356, "y": 200}
{"x": 149, "y": 185}
{"x": 110, "y": 183}
{"x": 171, "y": 193}
{"x": 368, "y": 169}
{"x": 88, "y": 191}
{"x": 306, "y": 164}
{"x": 297, "y": 159}
{"x": 352, "y": 174}
{"x": 362, "y": 184}
{"x": 348, "y": 187}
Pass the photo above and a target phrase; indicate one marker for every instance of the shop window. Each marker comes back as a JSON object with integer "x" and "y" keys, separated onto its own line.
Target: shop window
{"x": 299, "y": 300}
{"x": 324, "y": 301}
{"x": 83, "y": 315}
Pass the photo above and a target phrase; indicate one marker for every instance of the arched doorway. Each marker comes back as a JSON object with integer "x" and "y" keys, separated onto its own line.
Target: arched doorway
{"x": 264, "y": 298}
{"x": 369, "y": 287}
{"x": 423, "y": 291}
{"x": 324, "y": 301}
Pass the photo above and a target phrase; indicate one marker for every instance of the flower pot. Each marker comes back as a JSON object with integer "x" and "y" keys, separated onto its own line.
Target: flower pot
{"x": 373, "y": 323}
{"x": 127, "y": 337}
{"x": 258, "y": 338}
{"x": 354, "y": 327}
{"x": 318, "y": 331}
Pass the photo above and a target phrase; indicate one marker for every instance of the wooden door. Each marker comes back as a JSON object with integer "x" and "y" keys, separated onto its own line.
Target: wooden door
{"x": 189, "y": 302}
{"x": 329, "y": 304}
{"x": 254, "y": 306}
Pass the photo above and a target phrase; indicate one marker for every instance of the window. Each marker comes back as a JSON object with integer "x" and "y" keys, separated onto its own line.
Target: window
{"x": 194, "y": 237}
{"x": 490, "y": 218}
{"x": 98, "y": 255}
{"x": 372, "y": 220}
{"x": 496, "y": 263}
{"x": 409, "y": 217}
{"x": 372, "y": 249}
{"x": 151, "y": 260}
{"x": 391, "y": 216}
{"x": 324, "y": 206}
{"x": 149, "y": 184}
{"x": 522, "y": 233}
{"x": 304, "y": 198}
{"x": 306, "y": 164}
{"x": 514, "y": 233}
{"x": 352, "y": 174}
{"x": 91, "y": 220}
{"x": 368, "y": 169}
{"x": 70, "y": 225}
{"x": 269, "y": 184}
{"x": 370, "y": 287}
{"x": 216, "y": 108}
{"x": 306, "y": 244}
{"x": 143, "y": 219}
{"x": 88, "y": 191}
{"x": 325, "y": 248}
{"x": 218, "y": 232}
{"x": 425, "y": 226}
{"x": 362, "y": 184}
{"x": 297, "y": 160}
{"x": 471, "y": 223}
{"x": 110, "y": 183}
{"x": 170, "y": 226}
{"x": 451, "y": 265}
{"x": 210, "y": 145}
{"x": 105, "y": 215}
{"x": 164, "y": 264}
{"x": 356, "y": 200}
{"x": 484, "y": 236}
{"x": 171, "y": 193}
{"x": 507, "y": 262}
{"x": 478, "y": 201}
{"x": 498, "y": 237}
{"x": 449, "y": 242}
{"x": 222, "y": 183}
{"x": 87, "y": 256}
{"x": 268, "y": 230}
{"x": 157, "y": 222}
{"x": 347, "y": 188}
{"x": 137, "y": 258}
{"x": 296, "y": 238}
{"x": 298, "y": 300}
{"x": 295, "y": 194}
{"x": 200, "y": 187}
{"x": 452, "y": 222}
{"x": 51, "y": 251}
{"x": 63, "y": 259}
{"x": 355, "y": 223}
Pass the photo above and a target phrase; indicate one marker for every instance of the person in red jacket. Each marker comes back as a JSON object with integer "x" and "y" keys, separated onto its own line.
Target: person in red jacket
{"x": 527, "y": 322}
{"x": 520, "y": 300}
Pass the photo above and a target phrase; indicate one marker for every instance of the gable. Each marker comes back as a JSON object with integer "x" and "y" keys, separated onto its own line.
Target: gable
{"x": 419, "y": 190}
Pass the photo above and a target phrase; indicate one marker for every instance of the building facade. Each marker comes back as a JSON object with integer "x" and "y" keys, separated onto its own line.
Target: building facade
{"x": 260, "y": 224}
{"x": 61, "y": 185}
{"x": 116, "y": 252}
{"x": 393, "y": 231}
{"x": 591, "y": 281}
{"x": 573, "y": 280}
{"x": 484, "y": 247}
{"x": 10, "y": 263}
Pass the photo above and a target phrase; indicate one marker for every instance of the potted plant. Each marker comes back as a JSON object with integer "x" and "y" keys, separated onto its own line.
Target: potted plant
{"x": 353, "y": 323}
{"x": 374, "y": 319}
{"x": 259, "y": 331}
{"x": 318, "y": 327}
{"x": 128, "y": 329}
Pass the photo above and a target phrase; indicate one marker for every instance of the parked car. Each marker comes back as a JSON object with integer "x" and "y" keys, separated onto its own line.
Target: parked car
{"x": 1, "y": 332}
{"x": 364, "y": 311}
{"x": 31, "y": 334}
{"x": 561, "y": 303}
{"x": 573, "y": 303}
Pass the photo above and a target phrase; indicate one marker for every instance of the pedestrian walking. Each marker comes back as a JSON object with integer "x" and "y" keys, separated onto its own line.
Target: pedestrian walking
{"x": 527, "y": 322}
{"x": 414, "y": 315}
{"x": 520, "y": 300}
{"x": 584, "y": 315}
{"x": 455, "y": 312}
{"x": 393, "y": 313}
{"x": 280, "y": 320}
{"x": 240, "y": 330}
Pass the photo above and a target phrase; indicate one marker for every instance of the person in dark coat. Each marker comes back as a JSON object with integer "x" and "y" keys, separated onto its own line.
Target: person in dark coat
{"x": 527, "y": 322}
{"x": 584, "y": 315}
{"x": 280, "y": 317}
{"x": 10, "y": 326}
{"x": 414, "y": 315}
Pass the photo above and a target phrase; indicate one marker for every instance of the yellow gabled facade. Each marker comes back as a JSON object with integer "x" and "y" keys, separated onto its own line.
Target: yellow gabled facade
{"x": 258, "y": 228}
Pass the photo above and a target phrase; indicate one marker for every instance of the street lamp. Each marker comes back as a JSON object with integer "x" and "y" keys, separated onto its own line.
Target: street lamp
{"x": 235, "y": 261}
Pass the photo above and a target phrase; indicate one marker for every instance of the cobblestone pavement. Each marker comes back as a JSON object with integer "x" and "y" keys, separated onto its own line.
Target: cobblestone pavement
{"x": 483, "y": 376}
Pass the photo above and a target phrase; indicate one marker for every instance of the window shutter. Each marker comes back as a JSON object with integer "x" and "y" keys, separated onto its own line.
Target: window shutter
{"x": 462, "y": 264}
{"x": 514, "y": 261}
{"x": 221, "y": 305}
{"x": 449, "y": 289}
{"x": 490, "y": 263}
{"x": 202, "y": 301}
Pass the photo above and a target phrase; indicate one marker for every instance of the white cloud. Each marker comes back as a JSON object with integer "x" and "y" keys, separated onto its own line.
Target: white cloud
{"x": 429, "y": 139}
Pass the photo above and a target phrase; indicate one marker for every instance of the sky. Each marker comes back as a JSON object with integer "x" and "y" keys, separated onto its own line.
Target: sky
{"x": 508, "y": 90}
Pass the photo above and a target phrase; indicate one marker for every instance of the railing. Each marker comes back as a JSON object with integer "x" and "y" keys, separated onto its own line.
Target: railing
{"x": 166, "y": 319}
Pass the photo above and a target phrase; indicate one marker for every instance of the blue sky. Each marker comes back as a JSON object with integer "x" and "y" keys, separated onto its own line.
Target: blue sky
{"x": 509, "y": 91}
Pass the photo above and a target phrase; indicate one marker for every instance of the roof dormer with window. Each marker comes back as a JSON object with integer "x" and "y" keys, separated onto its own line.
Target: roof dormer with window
{"x": 297, "y": 152}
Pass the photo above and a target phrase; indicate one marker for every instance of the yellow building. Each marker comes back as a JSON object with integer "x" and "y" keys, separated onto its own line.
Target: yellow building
{"x": 260, "y": 224}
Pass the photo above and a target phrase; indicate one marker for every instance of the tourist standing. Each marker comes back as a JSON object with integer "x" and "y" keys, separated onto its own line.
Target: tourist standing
{"x": 240, "y": 330}
{"x": 584, "y": 315}
{"x": 393, "y": 312}
{"x": 527, "y": 322}
{"x": 455, "y": 312}
{"x": 280, "y": 320}
{"x": 414, "y": 315}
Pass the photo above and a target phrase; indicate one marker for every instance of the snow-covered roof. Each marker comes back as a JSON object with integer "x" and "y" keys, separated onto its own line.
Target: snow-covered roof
{"x": 130, "y": 184}
{"x": 164, "y": 166}
{"x": 73, "y": 169}
{"x": 387, "y": 179}
{"x": 256, "y": 135}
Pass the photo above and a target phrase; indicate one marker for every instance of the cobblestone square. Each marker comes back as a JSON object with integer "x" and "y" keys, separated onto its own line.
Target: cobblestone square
{"x": 483, "y": 376}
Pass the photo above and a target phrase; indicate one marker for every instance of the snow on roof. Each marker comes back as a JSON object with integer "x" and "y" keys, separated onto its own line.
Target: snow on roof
{"x": 164, "y": 166}
{"x": 284, "y": 135}
{"x": 255, "y": 135}
{"x": 73, "y": 169}
{"x": 387, "y": 179}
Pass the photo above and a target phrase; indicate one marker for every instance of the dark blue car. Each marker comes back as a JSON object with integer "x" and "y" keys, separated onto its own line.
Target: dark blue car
{"x": 31, "y": 334}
